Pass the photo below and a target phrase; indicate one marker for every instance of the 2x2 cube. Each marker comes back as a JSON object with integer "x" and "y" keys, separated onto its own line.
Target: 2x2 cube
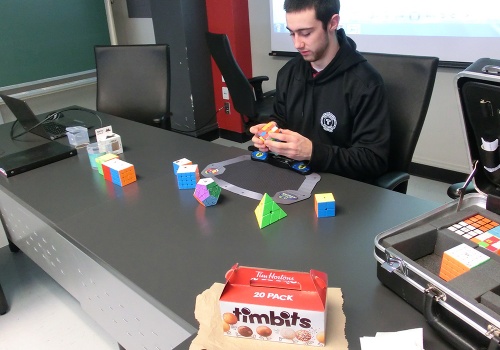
{"x": 324, "y": 205}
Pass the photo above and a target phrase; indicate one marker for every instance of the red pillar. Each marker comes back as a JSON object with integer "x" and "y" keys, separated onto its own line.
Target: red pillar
{"x": 230, "y": 17}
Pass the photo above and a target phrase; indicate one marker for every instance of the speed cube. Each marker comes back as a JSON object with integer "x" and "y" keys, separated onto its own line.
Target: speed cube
{"x": 102, "y": 159}
{"x": 324, "y": 205}
{"x": 179, "y": 163}
{"x": 480, "y": 230}
{"x": 263, "y": 133}
{"x": 187, "y": 176}
{"x": 268, "y": 212}
{"x": 460, "y": 259}
{"x": 487, "y": 240}
{"x": 119, "y": 172}
{"x": 207, "y": 192}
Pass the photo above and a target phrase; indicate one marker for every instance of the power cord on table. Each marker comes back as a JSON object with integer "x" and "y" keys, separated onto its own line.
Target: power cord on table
{"x": 51, "y": 117}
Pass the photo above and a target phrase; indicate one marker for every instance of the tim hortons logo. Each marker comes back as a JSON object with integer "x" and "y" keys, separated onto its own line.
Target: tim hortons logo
{"x": 273, "y": 276}
{"x": 283, "y": 319}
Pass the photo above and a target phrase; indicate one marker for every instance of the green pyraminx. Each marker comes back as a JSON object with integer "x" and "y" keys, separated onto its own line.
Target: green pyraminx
{"x": 268, "y": 212}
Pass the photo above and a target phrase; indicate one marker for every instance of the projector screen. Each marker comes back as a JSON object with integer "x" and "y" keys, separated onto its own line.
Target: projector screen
{"x": 455, "y": 31}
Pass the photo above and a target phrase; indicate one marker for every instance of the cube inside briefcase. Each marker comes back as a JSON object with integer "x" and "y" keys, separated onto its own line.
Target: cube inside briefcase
{"x": 446, "y": 263}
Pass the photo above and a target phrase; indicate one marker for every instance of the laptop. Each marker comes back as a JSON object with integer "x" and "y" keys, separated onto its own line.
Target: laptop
{"x": 50, "y": 130}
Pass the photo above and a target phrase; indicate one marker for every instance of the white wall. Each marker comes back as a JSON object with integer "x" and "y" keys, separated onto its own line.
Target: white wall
{"x": 442, "y": 142}
{"x": 131, "y": 31}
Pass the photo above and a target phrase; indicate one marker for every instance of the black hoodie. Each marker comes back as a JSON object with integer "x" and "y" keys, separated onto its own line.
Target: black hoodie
{"x": 342, "y": 110}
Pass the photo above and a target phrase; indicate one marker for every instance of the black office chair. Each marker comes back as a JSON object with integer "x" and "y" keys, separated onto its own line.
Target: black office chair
{"x": 409, "y": 81}
{"x": 133, "y": 82}
{"x": 248, "y": 98}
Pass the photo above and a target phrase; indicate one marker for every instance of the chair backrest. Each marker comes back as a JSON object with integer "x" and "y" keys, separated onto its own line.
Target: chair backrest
{"x": 409, "y": 81}
{"x": 133, "y": 82}
{"x": 237, "y": 83}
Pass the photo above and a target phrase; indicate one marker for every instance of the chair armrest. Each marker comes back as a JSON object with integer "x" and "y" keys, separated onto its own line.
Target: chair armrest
{"x": 394, "y": 180}
{"x": 453, "y": 193}
{"x": 269, "y": 93}
{"x": 256, "y": 83}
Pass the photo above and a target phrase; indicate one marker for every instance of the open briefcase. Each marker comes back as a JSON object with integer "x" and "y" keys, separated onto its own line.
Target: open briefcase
{"x": 446, "y": 263}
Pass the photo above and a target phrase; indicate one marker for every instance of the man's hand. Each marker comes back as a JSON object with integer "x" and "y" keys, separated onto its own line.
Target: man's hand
{"x": 293, "y": 145}
{"x": 257, "y": 142}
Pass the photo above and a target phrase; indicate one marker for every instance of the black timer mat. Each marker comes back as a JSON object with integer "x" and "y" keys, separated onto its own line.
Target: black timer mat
{"x": 252, "y": 179}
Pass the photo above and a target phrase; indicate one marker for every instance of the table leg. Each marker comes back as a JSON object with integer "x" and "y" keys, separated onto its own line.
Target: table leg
{"x": 12, "y": 247}
{"x": 3, "y": 302}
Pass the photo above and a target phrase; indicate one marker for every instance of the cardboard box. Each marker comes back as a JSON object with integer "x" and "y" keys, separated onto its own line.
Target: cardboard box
{"x": 274, "y": 305}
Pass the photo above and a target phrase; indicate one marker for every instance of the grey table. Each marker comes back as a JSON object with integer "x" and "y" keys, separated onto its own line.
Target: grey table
{"x": 136, "y": 257}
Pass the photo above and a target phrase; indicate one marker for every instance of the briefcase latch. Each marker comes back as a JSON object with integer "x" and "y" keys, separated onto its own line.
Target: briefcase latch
{"x": 436, "y": 293}
{"x": 393, "y": 263}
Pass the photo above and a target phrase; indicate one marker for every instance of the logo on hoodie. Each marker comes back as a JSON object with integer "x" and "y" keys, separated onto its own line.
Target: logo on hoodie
{"x": 328, "y": 122}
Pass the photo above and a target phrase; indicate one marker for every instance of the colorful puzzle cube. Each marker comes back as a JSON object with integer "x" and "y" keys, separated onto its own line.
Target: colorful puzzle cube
{"x": 180, "y": 162}
{"x": 187, "y": 176}
{"x": 263, "y": 133}
{"x": 487, "y": 240}
{"x": 460, "y": 259}
{"x": 102, "y": 159}
{"x": 480, "y": 230}
{"x": 119, "y": 172}
{"x": 324, "y": 205}
{"x": 207, "y": 192}
{"x": 268, "y": 212}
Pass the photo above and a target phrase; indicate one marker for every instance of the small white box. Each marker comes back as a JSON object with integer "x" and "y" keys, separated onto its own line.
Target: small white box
{"x": 77, "y": 135}
{"x": 112, "y": 144}
{"x": 108, "y": 141}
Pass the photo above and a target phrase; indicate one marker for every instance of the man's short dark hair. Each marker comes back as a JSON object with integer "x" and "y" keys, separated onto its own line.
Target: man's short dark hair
{"x": 325, "y": 9}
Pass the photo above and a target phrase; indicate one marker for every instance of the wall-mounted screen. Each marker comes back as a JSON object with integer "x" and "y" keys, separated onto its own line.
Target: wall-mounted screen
{"x": 453, "y": 30}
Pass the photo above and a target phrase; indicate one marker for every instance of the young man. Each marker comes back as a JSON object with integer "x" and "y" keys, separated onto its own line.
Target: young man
{"x": 330, "y": 103}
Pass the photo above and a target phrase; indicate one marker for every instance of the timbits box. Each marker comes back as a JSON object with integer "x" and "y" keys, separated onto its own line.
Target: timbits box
{"x": 275, "y": 305}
